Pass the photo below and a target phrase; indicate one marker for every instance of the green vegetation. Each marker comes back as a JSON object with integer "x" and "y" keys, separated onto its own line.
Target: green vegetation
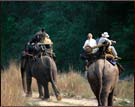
{"x": 67, "y": 23}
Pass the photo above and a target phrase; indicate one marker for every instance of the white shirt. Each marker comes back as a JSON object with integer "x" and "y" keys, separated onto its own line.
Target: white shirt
{"x": 102, "y": 40}
{"x": 91, "y": 43}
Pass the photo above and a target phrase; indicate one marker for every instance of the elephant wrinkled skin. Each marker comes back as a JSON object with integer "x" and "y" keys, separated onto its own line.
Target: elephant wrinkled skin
{"x": 102, "y": 77}
{"x": 44, "y": 70}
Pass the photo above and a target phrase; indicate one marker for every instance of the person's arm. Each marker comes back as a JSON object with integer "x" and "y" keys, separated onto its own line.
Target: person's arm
{"x": 113, "y": 41}
{"x": 85, "y": 44}
{"x": 109, "y": 41}
{"x": 35, "y": 39}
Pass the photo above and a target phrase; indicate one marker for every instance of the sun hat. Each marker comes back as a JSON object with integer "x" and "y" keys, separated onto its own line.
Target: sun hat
{"x": 105, "y": 34}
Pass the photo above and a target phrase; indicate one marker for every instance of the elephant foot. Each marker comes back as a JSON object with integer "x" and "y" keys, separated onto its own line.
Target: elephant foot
{"x": 41, "y": 96}
{"x": 28, "y": 94}
{"x": 46, "y": 99}
{"x": 59, "y": 97}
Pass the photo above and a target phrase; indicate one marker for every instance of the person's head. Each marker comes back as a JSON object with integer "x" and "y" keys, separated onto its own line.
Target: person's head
{"x": 90, "y": 36}
{"x": 105, "y": 35}
{"x": 42, "y": 30}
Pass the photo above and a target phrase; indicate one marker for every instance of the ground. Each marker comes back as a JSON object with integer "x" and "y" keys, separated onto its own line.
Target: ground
{"x": 35, "y": 101}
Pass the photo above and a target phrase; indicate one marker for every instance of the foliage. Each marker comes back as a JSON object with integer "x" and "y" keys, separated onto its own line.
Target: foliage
{"x": 67, "y": 23}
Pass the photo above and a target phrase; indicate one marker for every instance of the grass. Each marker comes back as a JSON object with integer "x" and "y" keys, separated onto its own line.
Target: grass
{"x": 71, "y": 84}
{"x": 125, "y": 89}
{"x": 125, "y": 92}
{"x": 11, "y": 90}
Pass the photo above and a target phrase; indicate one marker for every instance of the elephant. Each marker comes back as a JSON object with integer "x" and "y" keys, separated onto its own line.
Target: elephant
{"x": 44, "y": 70}
{"x": 103, "y": 77}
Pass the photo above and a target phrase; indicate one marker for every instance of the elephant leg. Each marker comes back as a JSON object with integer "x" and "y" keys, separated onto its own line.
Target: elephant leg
{"x": 104, "y": 98}
{"x": 29, "y": 81}
{"x": 96, "y": 90}
{"x": 40, "y": 89}
{"x": 46, "y": 91}
{"x": 96, "y": 86}
{"x": 57, "y": 93}
{"x": 110, "y": 98}
{"x": 23, "y": 74}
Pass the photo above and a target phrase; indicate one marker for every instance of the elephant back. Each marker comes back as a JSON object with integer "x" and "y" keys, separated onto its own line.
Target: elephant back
{"x": 52, "y": 67}
{"x": 46, "y": 67}
{"x": 104, "y": 69}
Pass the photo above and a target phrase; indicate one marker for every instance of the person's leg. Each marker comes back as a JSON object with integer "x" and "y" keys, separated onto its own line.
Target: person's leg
{"x": 114, "y": 52}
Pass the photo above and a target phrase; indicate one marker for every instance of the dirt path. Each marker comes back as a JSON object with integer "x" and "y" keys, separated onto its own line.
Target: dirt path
{"x": 35, "y": 101}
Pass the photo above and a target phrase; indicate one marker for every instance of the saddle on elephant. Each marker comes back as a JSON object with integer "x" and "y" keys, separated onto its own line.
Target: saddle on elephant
{"x": 36, "y": 50}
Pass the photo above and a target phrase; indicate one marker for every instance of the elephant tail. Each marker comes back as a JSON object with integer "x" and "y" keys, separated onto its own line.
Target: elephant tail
{"x": 99, "y": 76}
{"x": 100, "y": 87}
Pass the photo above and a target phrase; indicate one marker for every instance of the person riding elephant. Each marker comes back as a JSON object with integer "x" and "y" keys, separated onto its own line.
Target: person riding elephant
{"x": 88, "y": 55}
{"x": 43, "y": 38}
{"x": 103, "y": 39}
{"x": 90, "y": 42}
{"x": 34, "y": 58}
{"x": 109, "y": 49}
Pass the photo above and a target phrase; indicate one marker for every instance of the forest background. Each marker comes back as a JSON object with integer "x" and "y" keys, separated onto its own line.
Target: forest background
{"x": 68, "y": 24}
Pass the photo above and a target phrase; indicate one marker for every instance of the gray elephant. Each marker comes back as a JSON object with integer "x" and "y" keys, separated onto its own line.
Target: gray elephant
{"x": 42, "y": 68}
{"x": 102, "y": 77}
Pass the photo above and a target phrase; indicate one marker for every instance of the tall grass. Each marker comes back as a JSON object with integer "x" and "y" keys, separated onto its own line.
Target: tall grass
{"x": 11, "y": 90}
{"x": 124, "y": 93}
{"x": 125, "y": 89}
{"x": 71, "y": 84}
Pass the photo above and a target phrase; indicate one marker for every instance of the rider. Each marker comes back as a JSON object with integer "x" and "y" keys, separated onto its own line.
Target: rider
{"x": 104, "y": 38}
{"x": 42, "y": 37}
{"x": 90, "y": 42}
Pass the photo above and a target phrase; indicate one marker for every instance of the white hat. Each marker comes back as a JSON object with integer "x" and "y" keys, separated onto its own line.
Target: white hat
{"x": 105, "y": 34}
